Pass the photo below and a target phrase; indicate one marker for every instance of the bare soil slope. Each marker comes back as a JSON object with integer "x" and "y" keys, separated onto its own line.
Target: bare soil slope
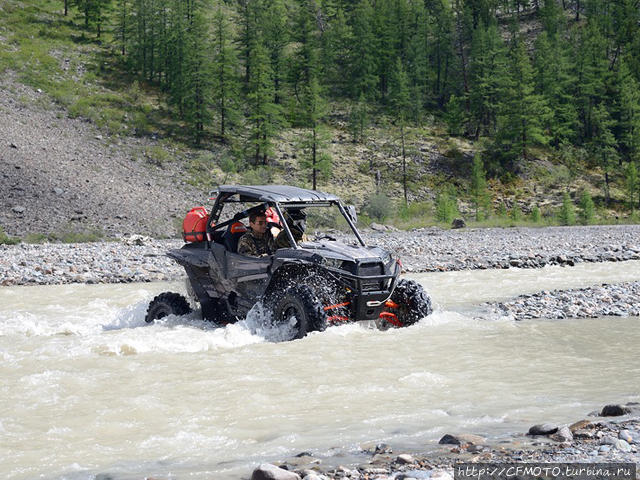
{"x": 60, "y": 174}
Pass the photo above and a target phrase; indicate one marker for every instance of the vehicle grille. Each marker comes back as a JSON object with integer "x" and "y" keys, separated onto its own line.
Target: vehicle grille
{"x": 370, "y": 269}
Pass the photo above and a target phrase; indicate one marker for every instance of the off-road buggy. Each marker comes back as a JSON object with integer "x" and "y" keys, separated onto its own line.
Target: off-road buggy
{"x": 309, "y": 285}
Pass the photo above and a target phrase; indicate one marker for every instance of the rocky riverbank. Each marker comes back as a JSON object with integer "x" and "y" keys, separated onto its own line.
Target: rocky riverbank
{"x": 620, "y": 300}
{"x": 423, "y": 250}
{"x": 609, "y": 435}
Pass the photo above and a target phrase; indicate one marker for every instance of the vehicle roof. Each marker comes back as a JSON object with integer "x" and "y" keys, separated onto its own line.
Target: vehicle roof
{"x": 277, "y": 193}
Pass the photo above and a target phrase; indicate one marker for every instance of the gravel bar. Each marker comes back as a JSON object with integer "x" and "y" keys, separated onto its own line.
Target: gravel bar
{"x": 423, "y": 250}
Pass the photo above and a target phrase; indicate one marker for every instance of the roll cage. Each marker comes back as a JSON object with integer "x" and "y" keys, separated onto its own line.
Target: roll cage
{"x": 277, "y": 197}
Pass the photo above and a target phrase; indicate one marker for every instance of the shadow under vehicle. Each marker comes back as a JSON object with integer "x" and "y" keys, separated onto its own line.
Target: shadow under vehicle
{"x": 308, "y": 285}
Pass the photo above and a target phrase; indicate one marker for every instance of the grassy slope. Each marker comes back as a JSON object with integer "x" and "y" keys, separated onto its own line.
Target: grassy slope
{"x": 49, "y": 51}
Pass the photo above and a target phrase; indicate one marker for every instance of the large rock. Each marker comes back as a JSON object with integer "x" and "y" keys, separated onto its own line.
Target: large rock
{"x": 614, "y": 411}
{"x": 580, "y": 425}
{"x": 266, "y": 471}
{"x": 458, "y": 223}
{"x": 563, "y": 435}
{"x": 543, "y": 429}
{"x": 462, "y": 439}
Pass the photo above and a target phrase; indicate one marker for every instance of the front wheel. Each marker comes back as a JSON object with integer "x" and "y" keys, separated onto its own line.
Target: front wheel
{"x": 299, "y": 309}
{"x": 167, "y": 303}
{"x": 409, "y": 304}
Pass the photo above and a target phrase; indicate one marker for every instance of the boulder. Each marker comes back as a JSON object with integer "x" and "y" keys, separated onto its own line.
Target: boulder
{"x": 405, "y": 459}
{"x": 462, "y": 439}
{"x": 580, "y": 425}
{"x": 614, "y": 411}
{"x": 543, "y": 429}
{"x": 458, "y": 223}
{"x": 266, "y": 471}
{"x": 563, "y": 435}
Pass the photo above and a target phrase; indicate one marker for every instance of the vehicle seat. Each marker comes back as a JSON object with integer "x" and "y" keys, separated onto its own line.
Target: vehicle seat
{"x": 231, "y": 237}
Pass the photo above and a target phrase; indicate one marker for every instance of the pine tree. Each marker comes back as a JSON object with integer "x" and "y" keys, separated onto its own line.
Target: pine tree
{"x": 586, "y": 208}
{"x": 628, "y": 105}
{"x": 400, "y": 107}
{"x": 225, "y": 81}
{"x": 276, "y": 37}
{"x": 631, "y": 184}
{"x": 487, "y": 71}
{"x": 603, "y": 145}
{"x": 265, "y": 117}
{"x": 317, "y": 160}
{"x": 336, "y": 45}
{"x": 522, "y": 110}
{"x": 567, "y": 215}
{"x": 479, "y": 193}
{"x": 359, "y": 120}
{"x": 364, "y": 63}
{"x": 197, "y": 66}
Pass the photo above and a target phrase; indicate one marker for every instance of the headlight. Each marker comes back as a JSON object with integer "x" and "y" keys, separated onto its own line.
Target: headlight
{"x": 332, "y": 262}
{"x": 386, "y": 258}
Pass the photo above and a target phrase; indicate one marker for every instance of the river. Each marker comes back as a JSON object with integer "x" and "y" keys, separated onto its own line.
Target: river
{"x": 88, "y": 388}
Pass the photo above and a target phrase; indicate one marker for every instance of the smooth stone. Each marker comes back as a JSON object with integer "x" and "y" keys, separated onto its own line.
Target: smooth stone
{"x": 563, "y": 435}
{"x": 580, "y": 425}
{"x": 622, "y": 446}
{"x": 543, "y": 429}
{"x": 614, "y": 411}
{"x": 626, "y": 436}
{"x": 267, "y": 471}
{"x": 405, "y": 459}
{"x": 608, "y": 440}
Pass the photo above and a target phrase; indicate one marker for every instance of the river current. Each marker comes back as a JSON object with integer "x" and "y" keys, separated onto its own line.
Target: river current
{"x": 89, "y": 388}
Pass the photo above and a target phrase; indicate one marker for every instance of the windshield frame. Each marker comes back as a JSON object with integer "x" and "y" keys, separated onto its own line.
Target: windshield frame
{"x": 280, "y": 205}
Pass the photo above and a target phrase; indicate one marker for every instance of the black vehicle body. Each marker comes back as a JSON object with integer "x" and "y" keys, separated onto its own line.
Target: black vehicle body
{"x": 352, "y": 281}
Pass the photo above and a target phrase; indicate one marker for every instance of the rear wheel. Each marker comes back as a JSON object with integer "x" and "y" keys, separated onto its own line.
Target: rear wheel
{"x": 167, "y": 303}
{"x": 409, "y": 304}
{"x": 299, "y": 309}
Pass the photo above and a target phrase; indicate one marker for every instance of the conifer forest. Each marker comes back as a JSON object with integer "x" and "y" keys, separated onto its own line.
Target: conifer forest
{"x": 516, "y": 75}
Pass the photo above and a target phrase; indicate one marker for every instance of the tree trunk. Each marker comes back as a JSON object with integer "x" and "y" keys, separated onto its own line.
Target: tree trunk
{"x": 66, "y": 7}
{"x": 404, "y": 166}
{"x": 314, "y": 149}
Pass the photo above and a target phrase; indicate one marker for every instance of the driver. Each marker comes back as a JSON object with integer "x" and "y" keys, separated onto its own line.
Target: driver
{"x": 296, "y": 218}
{"x": 258, "y": 241}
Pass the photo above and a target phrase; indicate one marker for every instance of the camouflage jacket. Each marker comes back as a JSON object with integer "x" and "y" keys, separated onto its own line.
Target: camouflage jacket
{"x": 282, "y": 240}
{"x": 255, "y": 246}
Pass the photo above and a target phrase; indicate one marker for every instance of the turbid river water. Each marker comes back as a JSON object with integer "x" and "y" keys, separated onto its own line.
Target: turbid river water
{"x": 88, "y": 388}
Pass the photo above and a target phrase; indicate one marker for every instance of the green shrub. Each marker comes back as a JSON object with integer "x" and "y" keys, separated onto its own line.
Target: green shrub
{"x": 587, "y": 208}
{"x": 502, "y": 210}
{"x": 379, "y": 207}
{"x": 156, "y": 155}
{"x": 36, "y": 238}
{"x": 257, "y": 176}
{"x": 6, "y": 239}
{"x": 534, "y": 216}
{"x": 515, "y": 214}
{"x": 567, "y": 215}
{"x": 446, "y": 207}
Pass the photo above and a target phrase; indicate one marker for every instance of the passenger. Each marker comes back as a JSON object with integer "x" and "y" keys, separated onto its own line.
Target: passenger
{"x": 258, "y": 241}
{"x": 296, "y": 218}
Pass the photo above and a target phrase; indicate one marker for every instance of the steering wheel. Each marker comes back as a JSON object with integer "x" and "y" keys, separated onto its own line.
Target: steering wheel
{"x": 323, "y": 237}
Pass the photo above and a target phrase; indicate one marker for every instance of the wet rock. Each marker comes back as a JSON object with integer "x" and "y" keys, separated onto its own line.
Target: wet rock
{"x": 543, "y": 429}
{"x": 580, "y": 425}
{"x": 449, "y": 440}
{"x": 563, "y": 435}
{"x": 267, "y": 471}
{"x": 314, "y": 476}
{"x": 18, "y": 209}
{"x": 458, "y": 223}
{"x": 405, "y": 459}
{"x": 614, "y": 411}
